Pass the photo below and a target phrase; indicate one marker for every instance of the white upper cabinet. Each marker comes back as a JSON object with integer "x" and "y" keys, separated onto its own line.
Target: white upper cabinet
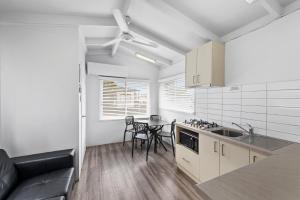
{"x": 204, "y": 66}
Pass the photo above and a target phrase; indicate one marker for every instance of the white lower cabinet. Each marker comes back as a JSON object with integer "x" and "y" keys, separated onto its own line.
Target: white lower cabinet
{"x": 232, "y": 157}
{"x": 256, "y": 156}
{"x": 209, "y": 157}
{"x": 188, "y": 161}
{"x": 216, "y": 157}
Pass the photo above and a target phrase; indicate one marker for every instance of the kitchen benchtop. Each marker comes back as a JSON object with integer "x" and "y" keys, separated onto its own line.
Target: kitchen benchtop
{"x": 274, "y": 178}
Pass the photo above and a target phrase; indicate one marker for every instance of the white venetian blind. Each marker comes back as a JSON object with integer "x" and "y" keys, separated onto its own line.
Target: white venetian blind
{"x": 174, "y": 96}
{"x": 121, "y": 97}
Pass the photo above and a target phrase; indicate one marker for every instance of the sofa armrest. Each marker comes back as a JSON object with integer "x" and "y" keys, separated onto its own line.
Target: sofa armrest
{"x": 37, "y": 164}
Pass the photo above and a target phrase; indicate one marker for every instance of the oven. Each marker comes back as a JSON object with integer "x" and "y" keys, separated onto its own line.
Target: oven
{"x": 189, "y": 139}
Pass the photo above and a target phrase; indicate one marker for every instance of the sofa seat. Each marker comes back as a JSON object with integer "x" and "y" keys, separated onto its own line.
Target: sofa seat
{"x": 46, "y": 186}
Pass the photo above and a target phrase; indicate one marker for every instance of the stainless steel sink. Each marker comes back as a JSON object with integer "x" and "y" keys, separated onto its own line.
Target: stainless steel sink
{"x": 228, "y": 132}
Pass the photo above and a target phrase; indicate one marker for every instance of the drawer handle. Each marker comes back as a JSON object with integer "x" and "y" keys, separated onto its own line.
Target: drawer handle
{"x": 215, "y": 147}
{"x": 186, "y": 160}
{"x": 254, "y": 159}
{"x": 223, "y": 150}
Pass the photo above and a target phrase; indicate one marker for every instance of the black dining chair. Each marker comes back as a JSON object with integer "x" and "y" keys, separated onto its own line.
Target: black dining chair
{"x": 129, "y": 120}
{"x": 171, "y": 135}
{"x": 140, "y": 133}
{"x": 155, "y": 117}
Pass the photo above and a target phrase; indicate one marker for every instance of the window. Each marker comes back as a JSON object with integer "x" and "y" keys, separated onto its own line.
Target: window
{"x": 174, "y": 96}
{"x": 121, "y": 97}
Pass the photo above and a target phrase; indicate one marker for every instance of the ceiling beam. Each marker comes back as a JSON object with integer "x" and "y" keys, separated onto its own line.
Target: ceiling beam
{"x": 292, "y": 7}
{"x": 201, "y": 31}
{"x": 272, "y": 7}
{"x": 156, "y": 39}
{"x": 248, "y": 28}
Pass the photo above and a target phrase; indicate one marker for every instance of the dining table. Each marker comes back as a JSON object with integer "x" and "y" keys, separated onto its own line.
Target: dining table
{"x": 155, "y": 126}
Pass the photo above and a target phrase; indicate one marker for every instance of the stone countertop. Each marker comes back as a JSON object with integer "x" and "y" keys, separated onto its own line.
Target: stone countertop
{"x": 274, "y": 178}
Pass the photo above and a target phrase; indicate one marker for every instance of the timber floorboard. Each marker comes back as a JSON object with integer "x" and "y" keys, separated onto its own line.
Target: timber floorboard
{"x": 110, "y": 173}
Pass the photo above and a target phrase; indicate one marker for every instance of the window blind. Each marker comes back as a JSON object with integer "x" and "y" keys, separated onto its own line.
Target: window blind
{"x": 121, "y": 97}
{"x": 174, "y": 96}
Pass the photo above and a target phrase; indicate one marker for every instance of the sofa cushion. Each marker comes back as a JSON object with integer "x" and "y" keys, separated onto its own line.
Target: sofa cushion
{"x": 50, "y": 185}
{"x": 8, "y": 175}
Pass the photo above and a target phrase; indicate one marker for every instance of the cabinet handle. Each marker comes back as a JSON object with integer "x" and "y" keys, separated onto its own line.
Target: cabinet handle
{"x": 185, "y": 160}
{"x": 223, "y": 150}
{"x": 193, "y": 79}
{"x": 215, "y": 147}
{"x": 198, "y": 78}
{"x": 254, "y": 159}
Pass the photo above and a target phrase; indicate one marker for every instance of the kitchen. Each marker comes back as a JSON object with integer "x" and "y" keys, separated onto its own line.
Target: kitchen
{"x": 160, "y": 99}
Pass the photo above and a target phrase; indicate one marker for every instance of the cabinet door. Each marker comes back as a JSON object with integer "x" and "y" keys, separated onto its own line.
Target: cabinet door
{"x": 255, "y": 156}
{"x": 204, "y": 64}
{"x": 188, "y": 160}
{"x": 190, "y": 68}
{"x": 232, "y": 157}
{"x": 209, "y": 157}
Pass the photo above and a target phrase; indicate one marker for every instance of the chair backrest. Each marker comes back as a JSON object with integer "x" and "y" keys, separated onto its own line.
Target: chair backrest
{"x": 173, "y": 126}
{"x": 140, "y": 127}
{"x": 155, "y": 117}
{"x": 8, "y": 175}
{"x": 129, "y": 120}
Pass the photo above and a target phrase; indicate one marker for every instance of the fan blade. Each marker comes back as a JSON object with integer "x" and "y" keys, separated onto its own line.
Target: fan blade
{"x": 149, "y": 44}
{"x": 109, "y": 43}
{"x": 120, "y": 20}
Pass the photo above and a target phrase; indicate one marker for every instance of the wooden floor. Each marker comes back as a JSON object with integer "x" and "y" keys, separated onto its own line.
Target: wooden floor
{"x": 109, "y": 173}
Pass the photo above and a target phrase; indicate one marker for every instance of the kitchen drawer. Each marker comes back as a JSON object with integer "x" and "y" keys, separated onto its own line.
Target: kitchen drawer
{"x": 188, "y": 160}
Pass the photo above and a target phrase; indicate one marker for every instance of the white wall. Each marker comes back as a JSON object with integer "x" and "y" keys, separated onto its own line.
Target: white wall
{"x": 39, "y": 84}
{"x": 111, "y": 131}
{"x": 268, "y": 54}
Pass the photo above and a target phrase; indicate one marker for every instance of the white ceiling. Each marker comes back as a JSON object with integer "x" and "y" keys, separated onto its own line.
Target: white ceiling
{"x": 219, "y": 16}
{"x": 101, "y": 8}
{"x": 176, "y": 25}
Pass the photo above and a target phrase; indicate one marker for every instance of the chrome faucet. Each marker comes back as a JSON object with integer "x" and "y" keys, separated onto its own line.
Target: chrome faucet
{"x": 250, "y": 131}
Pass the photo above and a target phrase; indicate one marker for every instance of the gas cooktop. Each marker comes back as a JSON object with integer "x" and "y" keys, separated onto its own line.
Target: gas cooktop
{"x": 201, "y": 124}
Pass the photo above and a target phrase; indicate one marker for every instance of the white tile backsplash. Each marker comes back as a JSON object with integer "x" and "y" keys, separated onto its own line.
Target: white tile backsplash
{"x": 254, "y": 102}
{"x": 290, "y": 103}
{"x": 254, "y": 95}
{"x": 271, "y": 108}
{"x": 237, "y": 108}
{"x": 284, "y": 94}
{"x": 232, "y": 101}
{"x": 254, "y": 109}
{"x": 284, "y": 85}
{"x": 293, "y": 112}
{"x": 254, "y": 87}
{"x": 254, "y": 116}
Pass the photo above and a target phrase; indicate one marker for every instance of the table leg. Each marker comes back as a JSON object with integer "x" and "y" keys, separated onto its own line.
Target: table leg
{"x": 155, "y": 142}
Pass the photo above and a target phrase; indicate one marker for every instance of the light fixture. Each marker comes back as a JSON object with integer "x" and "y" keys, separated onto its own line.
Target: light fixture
{"x": 138, "y": 55}
{"x": 250, "y": 1}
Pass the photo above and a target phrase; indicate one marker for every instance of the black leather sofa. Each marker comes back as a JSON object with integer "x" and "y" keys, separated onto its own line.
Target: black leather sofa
{"x": 37, "y": 177}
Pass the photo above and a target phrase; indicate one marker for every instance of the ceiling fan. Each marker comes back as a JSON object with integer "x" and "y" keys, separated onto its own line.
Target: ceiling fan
{"x": 125, "y": 34}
